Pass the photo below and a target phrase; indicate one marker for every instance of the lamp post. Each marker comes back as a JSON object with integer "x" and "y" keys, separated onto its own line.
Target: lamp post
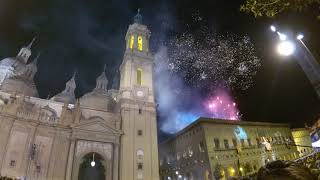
{"x": 304, "y": 57}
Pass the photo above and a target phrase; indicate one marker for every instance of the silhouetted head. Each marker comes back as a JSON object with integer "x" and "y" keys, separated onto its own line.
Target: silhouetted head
{"x": 284, "y": 170}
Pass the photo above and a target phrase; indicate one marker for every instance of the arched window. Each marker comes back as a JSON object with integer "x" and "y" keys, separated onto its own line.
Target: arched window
{"x": 139, "y": 43}
{"x": 139, "y": 76}
{"x": 131, "y": 41}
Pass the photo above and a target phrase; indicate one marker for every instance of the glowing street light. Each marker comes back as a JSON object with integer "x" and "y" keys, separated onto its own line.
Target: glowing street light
{"x": 273, "y": 28}
{"x": 282, "y": 37}
{"x": 286, "y": 48}
{"x": 307, "y": 61}
{"x": 300, "y": 37}
{"x": 93, "y": 163}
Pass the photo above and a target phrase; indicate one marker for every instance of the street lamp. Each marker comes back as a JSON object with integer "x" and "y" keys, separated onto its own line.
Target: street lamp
{"x": 286, "y": 48}
{"x": 93, "y": 163}
{"x": 282, "y": 37}
{"x": 300, "y": 37}
{"x": 305, "y": 59}
{"x": 273, "y": 28}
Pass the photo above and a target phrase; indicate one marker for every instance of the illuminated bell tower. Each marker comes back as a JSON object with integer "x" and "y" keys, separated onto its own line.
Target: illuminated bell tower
{"x": 139, "y": 147}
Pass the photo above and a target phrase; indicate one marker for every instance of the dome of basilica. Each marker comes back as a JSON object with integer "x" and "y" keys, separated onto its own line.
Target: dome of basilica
{"x": 16, "y": 75}
{"x": 99, "y": 98}
{"x": 10, "y": 61}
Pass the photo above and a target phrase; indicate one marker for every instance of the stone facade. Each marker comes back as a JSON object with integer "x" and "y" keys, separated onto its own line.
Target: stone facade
{"x": 302, "y": 139}
{"x": 48, "y": 139}
{"x": 219, "y": 149}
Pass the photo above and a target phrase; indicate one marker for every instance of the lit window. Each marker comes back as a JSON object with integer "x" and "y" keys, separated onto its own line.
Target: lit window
{"x": 139, "y": 77}
{"x": 131, "y": 42}
{"x": 139, "y": 43}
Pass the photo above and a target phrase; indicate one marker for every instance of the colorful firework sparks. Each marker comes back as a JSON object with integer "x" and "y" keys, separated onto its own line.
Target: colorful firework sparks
{"x": 209, "y": 60}
{"x": 222, "y": 106}
{"x": 196, "y": 73}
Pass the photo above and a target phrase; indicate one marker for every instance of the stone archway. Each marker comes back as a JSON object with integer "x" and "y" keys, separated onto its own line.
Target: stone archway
{"x": 87, "y": 147}
{"x": 88, "y": 171}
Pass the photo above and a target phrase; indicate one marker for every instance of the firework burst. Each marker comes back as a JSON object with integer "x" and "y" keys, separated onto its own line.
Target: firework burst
{"x": 209, "y": 60}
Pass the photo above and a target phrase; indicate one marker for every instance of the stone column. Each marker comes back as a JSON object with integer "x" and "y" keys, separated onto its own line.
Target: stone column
{"x": 115, "y": 163}
{"x": 70, "y": 159}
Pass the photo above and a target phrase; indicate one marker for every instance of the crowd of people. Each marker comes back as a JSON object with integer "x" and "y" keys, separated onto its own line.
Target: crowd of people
{"x": 6, "y": 178}
{"x": 305, "y": 168}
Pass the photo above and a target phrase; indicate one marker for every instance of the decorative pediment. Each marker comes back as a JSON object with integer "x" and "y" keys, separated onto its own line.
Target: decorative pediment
{"x": 97, "y": 126}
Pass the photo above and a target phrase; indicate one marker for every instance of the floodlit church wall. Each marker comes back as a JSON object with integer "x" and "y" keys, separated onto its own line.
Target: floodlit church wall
{"x": 5, "y": 128}
{"x": 45, "y": 139}
{"x": 14, "y": 159}
{"x": 41, "y": 162}
{"x": 58, "y": 161}
{"x": 56, "y": 106}
{"x": 112, "y": 119}
{"x": 12, "y": 86}
{"x": 21, "y": 161}
{"x": 126, "y": 158}
{"x": 125, "y": 69}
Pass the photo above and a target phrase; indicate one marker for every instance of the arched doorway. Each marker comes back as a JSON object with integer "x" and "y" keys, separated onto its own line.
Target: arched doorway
{"x": 92, "y": 167}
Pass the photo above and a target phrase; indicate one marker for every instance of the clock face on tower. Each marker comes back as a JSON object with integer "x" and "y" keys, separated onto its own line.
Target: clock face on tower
{"x": 140, "y": 93}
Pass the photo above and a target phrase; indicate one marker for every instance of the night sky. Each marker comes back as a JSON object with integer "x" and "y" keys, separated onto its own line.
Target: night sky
{"x": 84, "y": 35}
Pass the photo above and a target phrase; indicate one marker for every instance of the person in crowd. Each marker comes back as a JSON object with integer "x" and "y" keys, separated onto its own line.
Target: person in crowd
{"x": 284, "y": 170}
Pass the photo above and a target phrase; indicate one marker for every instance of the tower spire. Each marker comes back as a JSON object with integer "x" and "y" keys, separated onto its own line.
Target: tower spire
{"x": 74, "y": 73}
{"x": 102, "y": 80}
{"x": 138, "y": 18}
{"x": 31, "y": 43}
{"x": 25, "y": 52}
{"x": 67, "y": 95}
{"x": 104, "y": 68}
